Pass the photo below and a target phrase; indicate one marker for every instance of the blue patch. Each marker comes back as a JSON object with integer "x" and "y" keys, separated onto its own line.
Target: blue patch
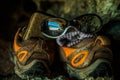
{"x": 53, "y": 25}
{"x": 115, "y": 29}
